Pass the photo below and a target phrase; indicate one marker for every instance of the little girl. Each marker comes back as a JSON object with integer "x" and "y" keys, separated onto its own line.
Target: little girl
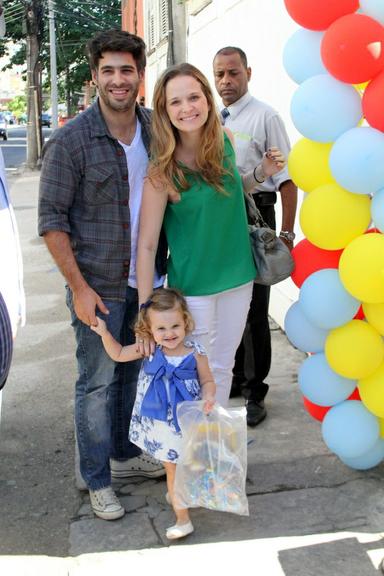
{"x": 177, "y": 371}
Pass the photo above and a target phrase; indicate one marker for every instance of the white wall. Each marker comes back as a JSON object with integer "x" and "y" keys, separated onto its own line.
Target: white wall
{"x": 261, "y": 28}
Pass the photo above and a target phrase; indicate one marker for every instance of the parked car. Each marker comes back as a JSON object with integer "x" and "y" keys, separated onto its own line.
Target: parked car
{"x": 46, "y": 119}
{"x": 3, "y": 127}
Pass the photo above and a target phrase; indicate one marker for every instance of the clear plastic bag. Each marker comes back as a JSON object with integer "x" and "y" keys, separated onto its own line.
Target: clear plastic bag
{"x": 211, "y": 471}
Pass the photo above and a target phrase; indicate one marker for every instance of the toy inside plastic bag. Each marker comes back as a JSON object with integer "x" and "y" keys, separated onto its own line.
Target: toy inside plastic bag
{"x": 212, "y": 469}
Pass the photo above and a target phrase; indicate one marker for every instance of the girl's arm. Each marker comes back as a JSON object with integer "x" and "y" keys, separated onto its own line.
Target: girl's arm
{"x": 207, "y": 383}
{"x": 116, "y": 351}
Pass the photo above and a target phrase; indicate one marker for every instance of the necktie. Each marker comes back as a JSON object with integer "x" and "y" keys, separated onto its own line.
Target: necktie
{"x": 224, "y": 114}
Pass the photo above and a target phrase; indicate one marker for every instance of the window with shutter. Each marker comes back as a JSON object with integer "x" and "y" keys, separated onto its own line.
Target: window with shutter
{"x": 164, "y": 22}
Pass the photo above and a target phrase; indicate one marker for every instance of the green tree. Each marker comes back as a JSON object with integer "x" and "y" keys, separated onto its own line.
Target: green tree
{"x": 18, "y": 105}
{"x": 75, "y": 21}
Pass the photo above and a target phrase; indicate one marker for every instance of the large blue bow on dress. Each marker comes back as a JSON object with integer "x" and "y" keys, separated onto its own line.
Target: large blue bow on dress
{"x": 155, "y": 402}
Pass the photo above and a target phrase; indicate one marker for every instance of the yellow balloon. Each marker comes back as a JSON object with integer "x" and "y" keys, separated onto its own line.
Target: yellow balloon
{"x": 354, "y": 350}
{"x": 371, "y": 391}
{"x": 331, "y": 217}
{"x": 381, "y": 423}
{"x": 361, "y": 87}
{"x": 361, "y": 268}
{"x": 308, "y": 164}
{"x": 374, "y": 313}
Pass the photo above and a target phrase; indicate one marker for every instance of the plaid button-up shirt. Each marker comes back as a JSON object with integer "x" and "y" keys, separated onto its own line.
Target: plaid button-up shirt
{"x": 84, "y": 191}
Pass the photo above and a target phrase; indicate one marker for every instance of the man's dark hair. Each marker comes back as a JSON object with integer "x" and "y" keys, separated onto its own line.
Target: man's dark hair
{"x": 116, "y": 41}
{"x": 227, "y": 50}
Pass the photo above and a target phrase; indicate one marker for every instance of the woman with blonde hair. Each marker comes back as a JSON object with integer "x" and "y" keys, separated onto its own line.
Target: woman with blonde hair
{"x": 195, "y": 192}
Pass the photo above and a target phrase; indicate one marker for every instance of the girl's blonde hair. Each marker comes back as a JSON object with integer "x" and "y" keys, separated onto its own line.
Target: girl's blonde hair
{"x": 210, "y": 153}
{"x": 161, "y": 300}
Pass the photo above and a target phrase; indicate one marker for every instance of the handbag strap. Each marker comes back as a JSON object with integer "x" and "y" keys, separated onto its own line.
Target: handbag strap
{"x": 253, "y": 213}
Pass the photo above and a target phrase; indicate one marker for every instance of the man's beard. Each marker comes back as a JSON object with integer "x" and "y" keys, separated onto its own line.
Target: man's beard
{"x": 123, "y": 105}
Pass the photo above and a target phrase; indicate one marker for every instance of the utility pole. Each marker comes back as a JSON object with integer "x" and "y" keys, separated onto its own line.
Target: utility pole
{"x": 2, "y": 21}
{"x": 33, "y": 23}
{"x": 52, "y": 55}
{"x": 177, "y": 34}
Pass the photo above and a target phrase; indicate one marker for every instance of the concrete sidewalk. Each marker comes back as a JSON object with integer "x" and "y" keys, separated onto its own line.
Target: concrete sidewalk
{"x": 309, "y": 514}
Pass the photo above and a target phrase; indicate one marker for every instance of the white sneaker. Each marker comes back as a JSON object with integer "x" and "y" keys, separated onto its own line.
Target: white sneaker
{"x": 142, "y": 465}
{"x": 179, "y": 531}
{"x": 105, "y": 504}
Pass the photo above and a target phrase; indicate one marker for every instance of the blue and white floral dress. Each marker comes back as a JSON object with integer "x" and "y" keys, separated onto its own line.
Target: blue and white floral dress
{"x": 162, "y": 437}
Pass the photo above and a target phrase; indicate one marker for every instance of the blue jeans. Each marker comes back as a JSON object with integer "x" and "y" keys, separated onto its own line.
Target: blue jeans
{"x": 105, "y": 392}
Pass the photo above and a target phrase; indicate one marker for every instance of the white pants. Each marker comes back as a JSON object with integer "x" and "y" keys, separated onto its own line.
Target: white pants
{"x": 219, "y": 325}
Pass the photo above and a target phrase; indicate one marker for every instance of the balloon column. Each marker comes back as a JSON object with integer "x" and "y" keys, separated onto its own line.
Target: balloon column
{"x": 337, "y": 60}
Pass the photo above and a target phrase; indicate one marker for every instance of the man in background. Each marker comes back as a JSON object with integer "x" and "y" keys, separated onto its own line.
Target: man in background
{"x": 256, "y": 127}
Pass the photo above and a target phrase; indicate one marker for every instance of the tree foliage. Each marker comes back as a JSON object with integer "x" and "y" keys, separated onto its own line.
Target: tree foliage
{"x": 75, "y": 21}
{"x": 18, "y": 105}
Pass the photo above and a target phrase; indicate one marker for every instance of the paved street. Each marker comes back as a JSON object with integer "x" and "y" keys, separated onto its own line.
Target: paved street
{"x": 15, "y": 148}
{"x": 309, "y": 514}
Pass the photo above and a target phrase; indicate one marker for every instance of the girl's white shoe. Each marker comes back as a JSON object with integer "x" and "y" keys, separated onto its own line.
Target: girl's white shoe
{"x": 179, "y": 531}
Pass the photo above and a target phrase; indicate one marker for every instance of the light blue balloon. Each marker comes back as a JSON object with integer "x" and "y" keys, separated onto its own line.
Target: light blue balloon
{"x": 301, "y": 55}
{"x": 320, "y": 384}
{"x": 369, "y": 459}
{"x": 322, "y": 108}
{"x": 301, "y": 333}
{"x": 349, "y": 429}
{"x": 356, "y": 160}
{"x": 374, "y": 9}
{"x": 377, "y": 210}
{"x": 325, "y": 301}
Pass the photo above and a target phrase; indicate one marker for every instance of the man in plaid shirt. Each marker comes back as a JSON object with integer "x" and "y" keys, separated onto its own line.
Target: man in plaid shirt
{"x": 90, "y": 195}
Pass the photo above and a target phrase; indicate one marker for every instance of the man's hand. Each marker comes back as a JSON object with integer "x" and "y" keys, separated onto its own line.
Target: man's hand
{"x": 288, "y": 243}
{"x": 85, "y": 302}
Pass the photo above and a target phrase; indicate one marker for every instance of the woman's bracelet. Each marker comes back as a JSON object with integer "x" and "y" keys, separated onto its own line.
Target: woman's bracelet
{"x": 258, "y": 171}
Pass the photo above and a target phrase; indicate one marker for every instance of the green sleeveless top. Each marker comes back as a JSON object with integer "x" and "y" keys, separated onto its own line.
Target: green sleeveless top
{"x": 207, "y": 234}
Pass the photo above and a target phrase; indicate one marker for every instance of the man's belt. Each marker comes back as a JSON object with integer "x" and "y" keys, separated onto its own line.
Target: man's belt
{"x": 265, "y": 198}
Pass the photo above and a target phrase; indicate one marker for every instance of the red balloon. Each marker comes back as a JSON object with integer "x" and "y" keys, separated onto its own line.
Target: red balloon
{"x": 359, "y": 314}
{"x": 373, "y": 99}
{"x": 317, "y": 412}
{"x": 352, "y": 49}
{"x": 319, "y": 14}
{"x": 309, "y": 258}
{"x": 355, "y": 395}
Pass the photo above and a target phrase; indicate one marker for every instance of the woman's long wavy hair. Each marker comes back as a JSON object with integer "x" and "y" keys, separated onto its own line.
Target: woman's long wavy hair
{"x": 209, "y": 155}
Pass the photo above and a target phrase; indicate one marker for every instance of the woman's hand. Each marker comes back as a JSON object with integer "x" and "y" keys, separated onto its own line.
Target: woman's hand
{"x": 145, "y": 345}
{"x": 273, "y": 161}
